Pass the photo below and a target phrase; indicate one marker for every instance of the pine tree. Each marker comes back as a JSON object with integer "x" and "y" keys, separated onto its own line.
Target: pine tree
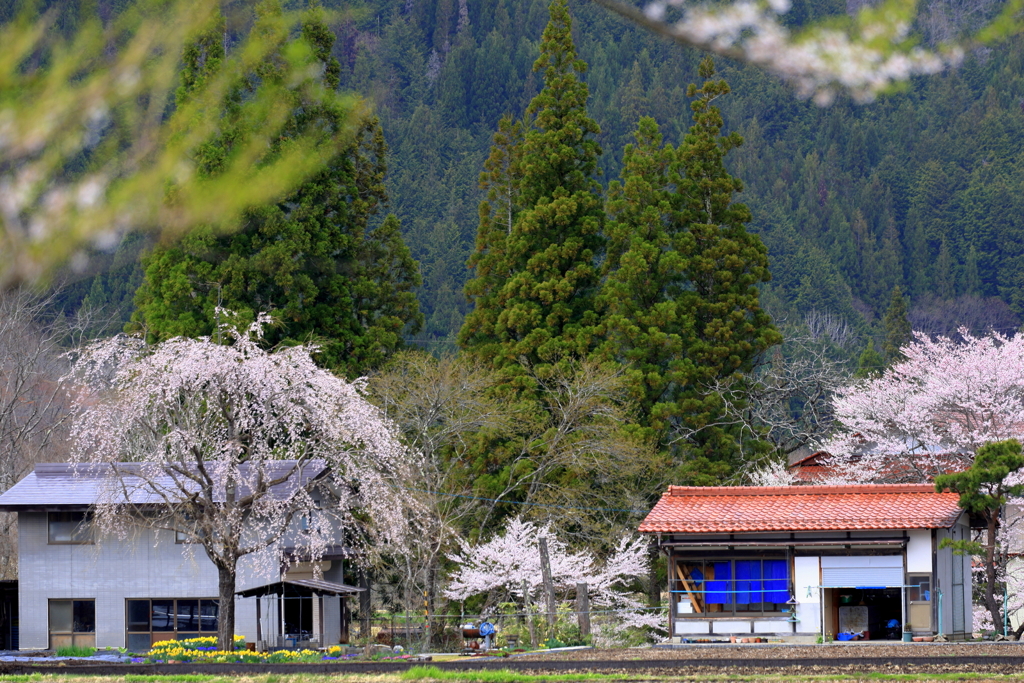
{"x": 534, "y": 287}
{"x": 897, "y": 328}
{"x": 313, "y": 260}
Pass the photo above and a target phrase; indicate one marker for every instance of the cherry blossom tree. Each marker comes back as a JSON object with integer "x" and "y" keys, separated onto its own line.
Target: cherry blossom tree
{"x": 230, "y": 445}
{"x": 862, "y": 54}
{"x": 931, "y": 412}
{"x": 504, "y": 565}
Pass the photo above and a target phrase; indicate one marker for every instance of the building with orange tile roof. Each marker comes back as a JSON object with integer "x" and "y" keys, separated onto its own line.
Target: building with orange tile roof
{"x": 852, "y": 561}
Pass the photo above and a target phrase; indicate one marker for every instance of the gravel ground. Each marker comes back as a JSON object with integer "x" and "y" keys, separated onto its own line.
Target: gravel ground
{"x": 44, "y": 656}
{"x": 831, "y": 651}
{"x": 699, "y": 661}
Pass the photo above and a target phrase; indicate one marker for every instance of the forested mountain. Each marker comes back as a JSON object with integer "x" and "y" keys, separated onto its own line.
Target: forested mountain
{"x": 920, "y": 189}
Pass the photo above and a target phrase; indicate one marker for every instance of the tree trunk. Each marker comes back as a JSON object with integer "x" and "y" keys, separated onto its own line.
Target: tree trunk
{"x": 653, "y": 587}
{"x": 990, "y": 576}
{"x": 365, "y": 604}
{"x": 226, "y": 617}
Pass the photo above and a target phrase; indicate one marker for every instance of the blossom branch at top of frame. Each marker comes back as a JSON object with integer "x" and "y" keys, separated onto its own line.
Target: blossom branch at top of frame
{"x": 862, "y": 55}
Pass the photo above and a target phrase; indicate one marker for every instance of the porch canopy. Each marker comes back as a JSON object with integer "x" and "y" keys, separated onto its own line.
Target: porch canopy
{"x": 299, "y": 588}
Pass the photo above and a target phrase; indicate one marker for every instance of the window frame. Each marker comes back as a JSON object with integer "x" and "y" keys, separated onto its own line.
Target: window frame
{"x": 730, "y": 609}
{"x": 173, "y": 633}
{"x": 82, "y": 638}
{"x": 86, "y": 521}
{"x": 914, "y": 582}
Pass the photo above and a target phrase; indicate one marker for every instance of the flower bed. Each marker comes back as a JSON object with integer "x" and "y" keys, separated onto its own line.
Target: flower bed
{"x": 206, "y": 650}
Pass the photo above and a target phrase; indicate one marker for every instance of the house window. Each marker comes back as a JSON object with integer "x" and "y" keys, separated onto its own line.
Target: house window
{"x": 72, "y": 622}
{"x": 68, "y": 528}
{"x": 919, "y": 587}
{"x": 150, "y": 621}
{"x": 731, "y": 586}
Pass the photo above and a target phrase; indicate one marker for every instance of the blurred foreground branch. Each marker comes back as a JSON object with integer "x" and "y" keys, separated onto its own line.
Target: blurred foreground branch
{"x": 862, "y": 55}
{"x": 92, "y": 146}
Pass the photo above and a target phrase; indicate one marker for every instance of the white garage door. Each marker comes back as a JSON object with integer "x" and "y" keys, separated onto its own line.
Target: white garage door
{"x": 873, "y": 571}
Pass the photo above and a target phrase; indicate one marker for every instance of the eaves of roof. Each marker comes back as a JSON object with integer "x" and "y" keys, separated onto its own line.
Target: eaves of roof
{"x": 685, "y": 510}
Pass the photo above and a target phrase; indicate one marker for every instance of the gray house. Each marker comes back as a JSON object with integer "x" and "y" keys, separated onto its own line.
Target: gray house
{"x": 858, "y": 561}
{"x": 76, "y": 589}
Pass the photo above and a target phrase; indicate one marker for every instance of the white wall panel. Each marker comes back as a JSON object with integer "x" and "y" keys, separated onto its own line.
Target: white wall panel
{"x": 919, "y": 551}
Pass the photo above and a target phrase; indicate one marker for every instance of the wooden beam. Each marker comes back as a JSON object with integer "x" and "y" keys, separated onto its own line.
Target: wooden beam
{"x": 689, "y": 591}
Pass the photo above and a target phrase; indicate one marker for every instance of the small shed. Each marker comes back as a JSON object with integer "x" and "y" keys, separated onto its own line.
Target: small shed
{"x": 858, "y": 561}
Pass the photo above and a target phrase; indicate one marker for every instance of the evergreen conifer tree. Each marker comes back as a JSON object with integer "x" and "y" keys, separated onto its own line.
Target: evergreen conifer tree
{"x": 313, "y": 260}
{"x": 724, "y": 266}
{"x": 870, "y": 363}
{"x": 680, "y": 299}
{"x": 645, "y": 272}
{"x": 534, "y": 287}
{"x": 897, "y": 328}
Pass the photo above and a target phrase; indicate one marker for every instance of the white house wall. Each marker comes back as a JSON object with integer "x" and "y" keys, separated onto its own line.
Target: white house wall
{"x": 806, "y": 579}
{"x": 150, "y": 565}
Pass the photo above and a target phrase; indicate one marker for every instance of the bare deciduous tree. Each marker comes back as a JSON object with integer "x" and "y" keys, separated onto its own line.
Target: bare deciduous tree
{"x": 449, "y": 410}
{"x": 786, "y": 401}
{"x": 34, "y": 408}
{"x": 441, "y": 406}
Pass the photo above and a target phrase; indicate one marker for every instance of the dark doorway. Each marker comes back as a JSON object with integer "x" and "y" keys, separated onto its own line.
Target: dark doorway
{"x": 868, "y": 614}
{"x": 8, "y": 615}
{"x": 298, "y": 617}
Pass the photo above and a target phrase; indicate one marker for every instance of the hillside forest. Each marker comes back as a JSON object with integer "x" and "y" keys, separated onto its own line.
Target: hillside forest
{"x": 915, "y": 190}
{"x": 568, "y": 255}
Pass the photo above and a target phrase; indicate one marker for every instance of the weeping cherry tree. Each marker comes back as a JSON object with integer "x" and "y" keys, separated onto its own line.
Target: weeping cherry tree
{"x": 229, "y": 445}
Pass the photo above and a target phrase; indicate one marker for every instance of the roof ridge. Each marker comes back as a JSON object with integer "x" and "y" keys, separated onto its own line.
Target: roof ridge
{"x": 799, "y": 490}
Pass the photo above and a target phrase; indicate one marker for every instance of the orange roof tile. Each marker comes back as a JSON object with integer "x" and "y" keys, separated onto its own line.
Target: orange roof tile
{"x": 729, "y": 509}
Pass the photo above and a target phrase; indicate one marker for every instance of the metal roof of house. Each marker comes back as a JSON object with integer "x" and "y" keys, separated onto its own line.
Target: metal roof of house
{"x": 63, "y": 485}
{"x": 731, "y": 509}
{"x": 310, "y": 585}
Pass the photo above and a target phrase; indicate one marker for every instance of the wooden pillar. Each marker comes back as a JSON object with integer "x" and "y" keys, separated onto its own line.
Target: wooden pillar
{"x": 549, "y": 586}
{"x": 365, "y": 604}
{"x": 671, "y": 595}
{"x": 583, "y": 609}
{"x": 259, "y": 620}
{"x": 316, "y": 604}
{"x": 343, "y": 631}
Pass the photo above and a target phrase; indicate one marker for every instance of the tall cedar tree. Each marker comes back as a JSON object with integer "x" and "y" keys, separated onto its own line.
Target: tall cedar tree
{"x": 724, "y": 267}
{"x": 680, "y": 298}
{"x": 312, "y": 260}
{"x": 541, "y": 231}
{"x": 645, "y": 273}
